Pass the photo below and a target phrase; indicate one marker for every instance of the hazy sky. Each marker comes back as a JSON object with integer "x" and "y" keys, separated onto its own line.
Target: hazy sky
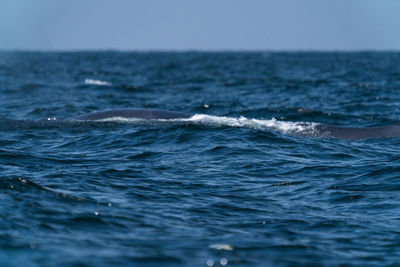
{"x": 200, "y": 24}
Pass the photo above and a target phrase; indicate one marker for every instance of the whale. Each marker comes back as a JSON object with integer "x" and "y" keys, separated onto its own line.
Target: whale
{"x": 320, "y": 130}
{"x": 134, "y": 113}
{"x": 357, "y": 133}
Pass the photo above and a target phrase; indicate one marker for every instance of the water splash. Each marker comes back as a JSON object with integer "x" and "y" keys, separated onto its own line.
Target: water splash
{"x": 272, "y": 124}
{"x": 97, "y": 82}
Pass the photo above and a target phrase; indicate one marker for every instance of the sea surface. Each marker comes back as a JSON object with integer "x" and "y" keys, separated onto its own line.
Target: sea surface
{"x": 234, "y": 185}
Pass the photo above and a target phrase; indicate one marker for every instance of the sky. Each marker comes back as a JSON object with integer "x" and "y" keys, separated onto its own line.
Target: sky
{"x": 200, "y": 25}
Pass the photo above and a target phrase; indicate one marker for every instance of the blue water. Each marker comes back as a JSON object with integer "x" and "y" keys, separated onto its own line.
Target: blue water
{"x": 232, "y": 186}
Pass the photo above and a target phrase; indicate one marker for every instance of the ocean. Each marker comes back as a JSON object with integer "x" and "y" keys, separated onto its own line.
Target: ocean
{"x": 234, "y": 185}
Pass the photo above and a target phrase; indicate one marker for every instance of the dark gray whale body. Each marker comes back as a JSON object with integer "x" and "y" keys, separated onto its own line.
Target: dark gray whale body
{"x": 321, "y": 130}
{"x": 351, "y": 133}
{"x": 137, "y": 113}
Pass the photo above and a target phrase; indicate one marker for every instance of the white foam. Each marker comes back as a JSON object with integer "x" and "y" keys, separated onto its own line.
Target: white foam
{"x": 97, "y": 82}
{"x": 272, "y": 124}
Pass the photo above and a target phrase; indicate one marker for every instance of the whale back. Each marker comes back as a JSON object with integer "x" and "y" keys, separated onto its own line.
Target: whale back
{"x": 392, "y": 130}
{"x": 137, "y": 113}
{"x": 322, "y": 130}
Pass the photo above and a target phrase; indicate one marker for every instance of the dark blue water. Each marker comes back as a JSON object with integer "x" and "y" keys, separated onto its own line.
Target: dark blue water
{"x": 232, "y": 186}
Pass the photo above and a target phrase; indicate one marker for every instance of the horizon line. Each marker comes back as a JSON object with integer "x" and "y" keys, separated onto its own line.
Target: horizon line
{"x": 162, "y": 50}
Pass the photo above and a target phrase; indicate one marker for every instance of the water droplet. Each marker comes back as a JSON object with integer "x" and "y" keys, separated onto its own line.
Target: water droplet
{"x": 210, "y": 262}
{"x": 223, "y": 261}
